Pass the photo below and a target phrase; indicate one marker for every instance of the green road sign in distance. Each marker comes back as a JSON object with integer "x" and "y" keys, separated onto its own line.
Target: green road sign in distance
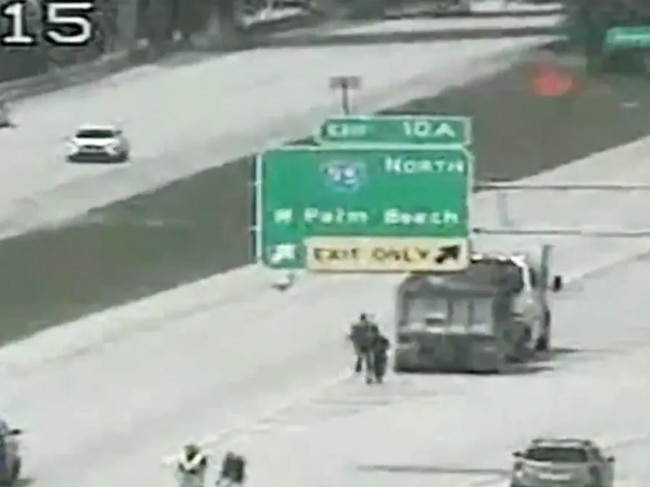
{"x": 387, "y": 129}
{"x": 413, "y": 191}
{"x": 627, "y": 37}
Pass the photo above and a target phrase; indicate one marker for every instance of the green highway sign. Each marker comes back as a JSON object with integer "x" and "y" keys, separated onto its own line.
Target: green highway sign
{"x": 387, "y": 129}
{"x": 360, "y": 192}
{"x": 627, "y": 37}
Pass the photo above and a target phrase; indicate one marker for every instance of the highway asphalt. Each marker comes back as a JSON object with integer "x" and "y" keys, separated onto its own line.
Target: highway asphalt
{"x": 233, "y": 364}
{"x": 199, "y": 226}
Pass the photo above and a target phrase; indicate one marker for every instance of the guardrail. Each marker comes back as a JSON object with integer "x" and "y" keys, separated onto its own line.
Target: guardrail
{"x": 507, "y": 186}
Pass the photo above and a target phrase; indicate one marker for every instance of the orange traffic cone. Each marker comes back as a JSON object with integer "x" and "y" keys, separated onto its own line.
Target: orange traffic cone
{"x": 549, "y": 81}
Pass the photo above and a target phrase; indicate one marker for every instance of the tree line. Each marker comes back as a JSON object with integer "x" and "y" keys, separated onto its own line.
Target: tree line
{"x": 588, "y": 21}
{"x": 161, "y": 24}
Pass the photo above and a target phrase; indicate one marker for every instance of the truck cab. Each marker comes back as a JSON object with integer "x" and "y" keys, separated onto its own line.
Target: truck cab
{"x": 528, "y": 280}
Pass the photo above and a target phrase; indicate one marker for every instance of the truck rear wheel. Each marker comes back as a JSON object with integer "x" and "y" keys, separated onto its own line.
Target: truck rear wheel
{"x": 400, "y": 369}
{"x": 15, "y": 472}
{"x": 522, "y": 351}
{"x": 544, "y": 341}
{"x": 12, "y": 475}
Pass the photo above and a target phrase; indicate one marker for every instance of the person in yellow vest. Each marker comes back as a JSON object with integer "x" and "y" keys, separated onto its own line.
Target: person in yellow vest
{"x": 192, "y": 467}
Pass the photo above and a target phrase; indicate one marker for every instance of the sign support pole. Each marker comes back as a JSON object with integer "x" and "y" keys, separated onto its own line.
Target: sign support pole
{"x": 345, "y": 100}
{"x": 345, "y": 84}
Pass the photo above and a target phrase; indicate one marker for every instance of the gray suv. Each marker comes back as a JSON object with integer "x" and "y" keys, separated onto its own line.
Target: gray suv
{"x": 559, "y": 462}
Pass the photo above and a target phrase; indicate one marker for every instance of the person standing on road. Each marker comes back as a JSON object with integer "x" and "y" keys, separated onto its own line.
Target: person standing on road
{"x": 361, "y": 334}
{"x": 233, "y": 470}
{"x": 380, "y": 347}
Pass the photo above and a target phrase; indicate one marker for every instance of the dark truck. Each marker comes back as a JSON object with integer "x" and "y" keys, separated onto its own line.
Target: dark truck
{"x": 453, "y": 323}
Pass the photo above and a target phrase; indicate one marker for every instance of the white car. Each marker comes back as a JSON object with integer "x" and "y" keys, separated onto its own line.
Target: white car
{"x": 98, "y": 143}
